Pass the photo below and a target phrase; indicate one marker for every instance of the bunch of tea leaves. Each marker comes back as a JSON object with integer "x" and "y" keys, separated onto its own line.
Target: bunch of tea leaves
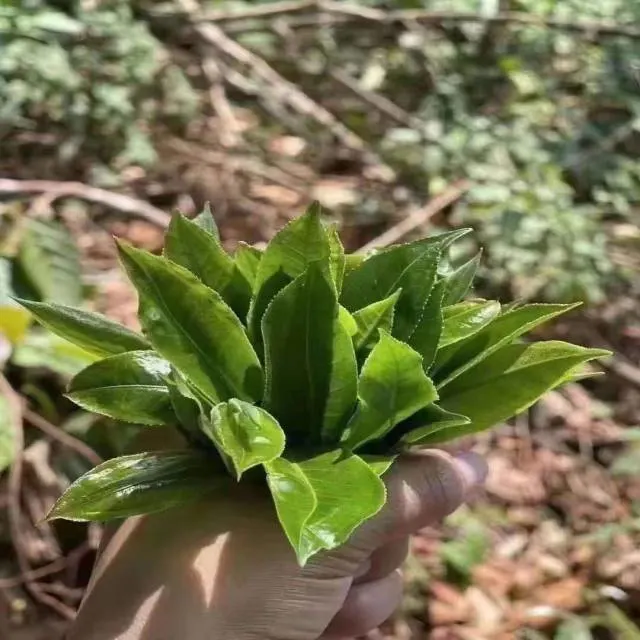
{"x": 301, "y": 367}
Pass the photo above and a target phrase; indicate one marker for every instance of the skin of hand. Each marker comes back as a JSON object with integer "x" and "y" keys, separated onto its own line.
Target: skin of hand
{"x": 224, "y": 571}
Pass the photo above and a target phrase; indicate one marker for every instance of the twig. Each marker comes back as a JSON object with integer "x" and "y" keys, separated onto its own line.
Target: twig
{"x": 417, "y": 218}
{"x": 340, "y": 13}
{"x": 279, "y": 88}
{"x": 13, "y": 503}
{"x": 229, "y": 132}
{"x": 117, "y": 201}
{"x": 376, "y": 100}
{"x": 62, "y": 437}
{"x": 623, "y": 369}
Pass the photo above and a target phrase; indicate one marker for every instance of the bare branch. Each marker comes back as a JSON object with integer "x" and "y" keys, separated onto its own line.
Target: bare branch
{"x": 417, "y": 218}
{"x": 117, "y": 201}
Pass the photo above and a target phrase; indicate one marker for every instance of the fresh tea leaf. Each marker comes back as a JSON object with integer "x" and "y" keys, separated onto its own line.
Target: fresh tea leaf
{"x": 380, "y": 464}
{"x": 457, "y": 358}
{"x": 462, "y": 320}
{"x": 343, "y": 384}
{"x": 205, "y": 220}
{"x": 138, "y": 484}
{"x": 348, "y": 492}
{"x": 424, "y": 423}
{"x": 410, "y": 267}
{"x": 129, "y": 387}
{"x": 337, "y": 258}
{"x": 298, "y": 331}
{"x": 294, "y": 499}
{"x": 427, "y": 333}
{"x": 201, "y": 253}
{"x": 348, "y": 321}
{"x": 90, "y": 331}
{"x": 297, "y": 245}
{"x": 508, "y": 382}
{"x": 392, "y": 387}
{"x": 247, "y": 259}
{"x": 459, "y": 281}
{"x": 378, "y": 315}
{"x": 247, "y": 435}
{"x": 191, "y": 326}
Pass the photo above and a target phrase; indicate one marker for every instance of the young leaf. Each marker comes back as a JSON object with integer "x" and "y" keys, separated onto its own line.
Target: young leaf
{"x": 294, "y": 499}
{"x": 392, "y": 387}
{"x": 337, "y": 258}
{"x": 348, "y": 321}
{"x": 201, "y": 253}
{"x": 464, "y": 319}
{"x": 343, "y": 384}
{"x": 352, "y": 261}
{"x": 427, "y": 333}
{"x": 247, "y": 259}
{"x": 379, "y": 464}
{"x": 193, "y": 328}
{"x": 138, "y": 484}
{"x": 457, "y": 358}
{"x": 298, "y": 332}
{"x": 90, "y": 331}
{"x": 300, "y": 243}
{"x": 410, "y": 267}
{"x": 459, "y": 281}
{"x": 206, "y": 221}
{"x": 508, "y": 382}
{"x": 247, "y": 435}
{"x": 378, "y": 315}
{"x": 129, "y": 387}
{"x": 348, "y": 492}
{"x": 423, "y": 424}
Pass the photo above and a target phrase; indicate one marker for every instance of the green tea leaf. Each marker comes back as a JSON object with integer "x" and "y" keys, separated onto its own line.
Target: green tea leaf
{"x": 427, "y": 333}
{"x": 201, "y": 253}
{"x": 459, "y": 281}
{"x": 297, "y": 245}
{"x": 508, "y": 382}
{"x": 352, "y": 261}
{"x": 90, "y": 331}
{"x": 343, "y": 384}
{"x": 14, "y": 320}
{"x": 298, "y": 331}
{"x": 348, "y": 321}
{"x": 247, "y": 259}
{"x": 129, "y": 387}
{"x": 348, "y": 492}
{"x": 138, "y": 484}
{"x": 337, "y": 258}
{"x": 464, "y": 319}
{"x": 193, "y": 328}
{"x": 206, "y": 221}
{"x": 423, "y": 424}
{"x": 379, "y": 464}
{"x": 410, "y": 267}
{"x": 457, "y": 358}
{"x": 378, "y": 315}
{"x": 392, "y": 387}
{"x": 246, "y": 434}
{"x": 294, "y": 499}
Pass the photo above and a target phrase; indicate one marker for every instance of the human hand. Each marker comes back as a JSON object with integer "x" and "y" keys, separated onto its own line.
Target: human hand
{"x": 224, "y": 570}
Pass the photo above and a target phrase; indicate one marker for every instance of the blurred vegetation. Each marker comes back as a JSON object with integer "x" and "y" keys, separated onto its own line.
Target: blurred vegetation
{"x": 542, "y": 117}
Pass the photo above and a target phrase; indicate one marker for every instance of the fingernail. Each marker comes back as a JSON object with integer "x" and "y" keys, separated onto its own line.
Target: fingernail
{"x": 472, "y": 467}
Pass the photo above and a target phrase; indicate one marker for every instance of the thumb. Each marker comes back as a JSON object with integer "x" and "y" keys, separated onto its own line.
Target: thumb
{"x": 423, "y": 488}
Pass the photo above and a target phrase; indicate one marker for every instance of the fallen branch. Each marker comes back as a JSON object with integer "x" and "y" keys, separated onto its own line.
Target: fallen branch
{"x": 280, "y": 89}
{"x": 417, "y": 218}
{"x": 56, "y": 190}
{"x": 62, "y": 437}
{"x": 14, "y": 511}
{"x": 331, "y": 12}
{"x": 623, "y": 369}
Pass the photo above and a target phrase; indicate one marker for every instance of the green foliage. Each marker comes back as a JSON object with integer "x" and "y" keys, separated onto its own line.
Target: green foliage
{"x": 94, "y": 75}
{"x": 295, "y": 401}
